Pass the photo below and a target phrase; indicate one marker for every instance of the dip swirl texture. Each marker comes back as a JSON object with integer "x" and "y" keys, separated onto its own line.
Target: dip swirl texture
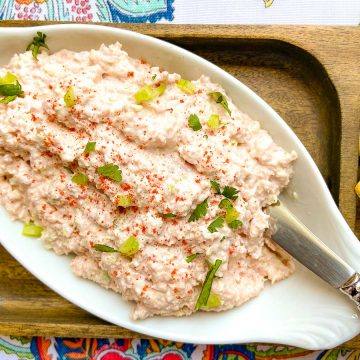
{"x": 166, "y": 168}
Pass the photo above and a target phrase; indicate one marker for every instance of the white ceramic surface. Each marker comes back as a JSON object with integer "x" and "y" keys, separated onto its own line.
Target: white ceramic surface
{"x": 301, "y": 311}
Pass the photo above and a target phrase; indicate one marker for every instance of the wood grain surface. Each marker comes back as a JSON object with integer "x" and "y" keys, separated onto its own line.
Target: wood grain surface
{"x": 309, "y": 75}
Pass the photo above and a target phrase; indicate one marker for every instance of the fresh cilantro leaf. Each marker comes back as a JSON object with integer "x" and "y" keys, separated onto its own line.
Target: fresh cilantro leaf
{"x": 191, "y": 257}
{"x": 168, "y": 215}
{"x": 230, "y": 192}
{"x": 104, "y": 248}
{"x": 225, "y": 204}
{"x": 216, "y": 187}
{"x": 110, "y": 171}
{"x": 90, "y": 147}
{"x": 206, "y": 288}
{"x": 194, "y": 122}
{"x": 216, "y": 224}
{"x": 235, "y": 224}
{"x": 37, "y": 42}
{"x": 231, "y": 215}
{"x": 219, "y": 98}
{"x": 200, "y": 210}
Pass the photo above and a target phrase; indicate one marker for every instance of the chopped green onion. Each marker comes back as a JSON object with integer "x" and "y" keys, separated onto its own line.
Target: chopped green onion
{"x": 8, "y": 99}
{"x": 216, "y": 224}
{"x": 213, "y": 301}
{"x": 194, "y": 122}
{"x": 225, "y": 204}
{"x": 80, "y": 179}
{"x": 235, "y": 224}
{"x": 124, "y": 201}
{"x": 10, "y": 88}
{"x": 129, "y": 247}
{"x": 8, "y": 79}
{"x": 219, "y": 98}
{"x": 168, "y": 215}
{"x": 206, "y": 288}
{"x": 200, "y": 210}
{"x": 37, "y": 42}
{"x": 214, "y": 122}
{"x": 149, "y": 92}
{"x": 70, "y": 97}
{"x": 231, "y": 215}
{"x": 68, "y": 170}
{"x": 110, "y": 171}
{"x": 90, "y": 147}
{"x": 186, "y": 86}
{"x": 30, "y": 229}
{"x": 216, "y": 187}
{"x": 104, "y": 248}
{"x": 191, "y": 257}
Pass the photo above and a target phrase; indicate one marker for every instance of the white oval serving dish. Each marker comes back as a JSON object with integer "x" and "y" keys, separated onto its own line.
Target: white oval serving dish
{"x": 301, "y": 311}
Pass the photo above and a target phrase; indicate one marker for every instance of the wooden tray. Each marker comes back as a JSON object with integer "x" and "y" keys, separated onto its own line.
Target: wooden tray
{"x": 309, "y": 75}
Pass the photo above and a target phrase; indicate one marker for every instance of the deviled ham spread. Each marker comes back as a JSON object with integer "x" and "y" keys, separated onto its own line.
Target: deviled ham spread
{"x": 157, "y": 185}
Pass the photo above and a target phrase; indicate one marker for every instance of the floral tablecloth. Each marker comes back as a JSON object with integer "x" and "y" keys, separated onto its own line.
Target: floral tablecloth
{"x": 41, "y": 348}
{"x": 340, "y": 12}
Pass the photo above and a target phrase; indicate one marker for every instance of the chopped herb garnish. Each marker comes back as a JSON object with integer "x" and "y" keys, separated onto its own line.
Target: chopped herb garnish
{"x": 213, "y": 301}
{"x": 200, "y": 210}
{"x": 168, "y": 215}
{"x": 68, "y": 170}
{"x": 153, "y": 77}
{"x": 90, "y": 147}
{"x": 216, "y": 187}
{"x": 231, "y": 215}
{"x": 37, "y": 42}
{"x": 225, "y": 204}
{"x": 32, "y": 230}
{"x": 80, "y": 179}
{"x": 191, "y": 257}
{"x": 10, "y": 88}
{"x": 223, "y": 238}
{"x": 7, "y": 99}
{"x": 230, "y": 192}
{"x": 9, "y": 78}
{"x": 129, "y": 247}
{"x": 219, "y": 98}
{"x": 214, "y": 122}
{"x": 110, "y": 171}
{"x": 216, "y": 224}
{"x": 206, "y": 288}
{"x": 104, "y": 248}
{"x": 149, "y": 92}
{"x": 235, "y": 224}
{"x": 194, "y": 122}
{"x": 186, "y": 86}
{"x": 70, "y": 97}
{"x": 124, "y": 201}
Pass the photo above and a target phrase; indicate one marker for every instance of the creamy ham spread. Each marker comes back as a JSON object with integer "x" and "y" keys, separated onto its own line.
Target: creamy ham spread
{"x": 165, "y": 163}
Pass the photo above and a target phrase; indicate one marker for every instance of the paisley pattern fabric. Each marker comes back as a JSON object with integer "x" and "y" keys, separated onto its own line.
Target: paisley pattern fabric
{"x": 42, "y": 348}
{"x": 88, "y": 10}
